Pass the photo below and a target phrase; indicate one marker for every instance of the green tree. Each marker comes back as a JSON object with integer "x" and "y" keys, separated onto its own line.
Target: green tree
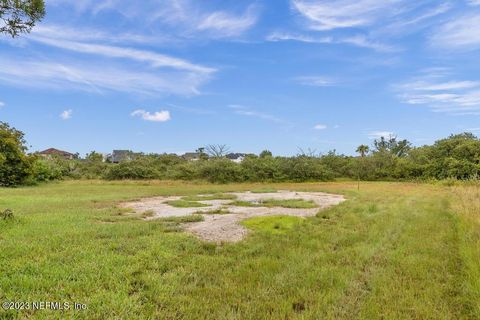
{"x": 363, "y": 150}
{"x": 15, "y": 165}
{"x": 265, "y": 154}
{"x": 20, "y": 16}
{"x": 94, "y": 157}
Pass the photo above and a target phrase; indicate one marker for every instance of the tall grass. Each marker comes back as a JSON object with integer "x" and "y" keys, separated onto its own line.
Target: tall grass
{"x": 467, "y": 204}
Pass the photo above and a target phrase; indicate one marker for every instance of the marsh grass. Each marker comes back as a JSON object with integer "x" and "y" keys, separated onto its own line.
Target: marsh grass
{"x": 264, "y": 190}
{"x": 217, "y": 196}
{"x": 270, "y": 203}
{"x": 214, "y": 211}
{"x": 186, "y": 204}
{"x": 182, "y": 219}
{"x": 272, "y": 224}
{"x": 414, "y": 255}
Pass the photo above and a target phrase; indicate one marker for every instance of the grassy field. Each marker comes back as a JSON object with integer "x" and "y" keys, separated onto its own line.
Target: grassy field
{"x": 392, "y": 251}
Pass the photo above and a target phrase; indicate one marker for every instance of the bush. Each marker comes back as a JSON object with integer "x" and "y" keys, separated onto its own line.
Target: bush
{"x": 220, "y": 171}
{"x": 15, "y": 165}
{"x": 139, "y": 169}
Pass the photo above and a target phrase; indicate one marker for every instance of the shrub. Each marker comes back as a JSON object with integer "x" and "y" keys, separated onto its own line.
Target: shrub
{"x": 15, "y": 165}
{"x": 140, "y": 168}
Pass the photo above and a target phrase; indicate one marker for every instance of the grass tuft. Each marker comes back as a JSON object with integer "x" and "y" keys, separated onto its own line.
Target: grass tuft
{"x": 206, "y": 197}
{"x": 186, "y": 204}
{"x": 264, "y": 190}
{"x": 214, "y": 211}
{"x": 182, "y": 219}
{"x": 271, "y": 203}
{"x": 273, "y": 224}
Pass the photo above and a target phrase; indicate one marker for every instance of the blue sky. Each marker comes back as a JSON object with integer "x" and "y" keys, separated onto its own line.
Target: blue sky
{"x": 174, "y": 75}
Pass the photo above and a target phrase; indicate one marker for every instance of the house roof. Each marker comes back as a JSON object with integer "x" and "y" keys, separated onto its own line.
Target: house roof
{"x": 191, "y": 154}
{"x": 234, "y": 156}
{"x": 53, "y": 151}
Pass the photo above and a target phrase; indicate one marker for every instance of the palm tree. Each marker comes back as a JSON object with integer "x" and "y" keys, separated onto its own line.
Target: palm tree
{"x": 363, "y": 150}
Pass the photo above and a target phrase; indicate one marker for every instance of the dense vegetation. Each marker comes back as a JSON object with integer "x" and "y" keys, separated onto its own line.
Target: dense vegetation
{"x": 456, "y": 157}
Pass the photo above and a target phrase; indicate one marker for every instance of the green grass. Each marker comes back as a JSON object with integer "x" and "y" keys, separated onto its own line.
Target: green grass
{"x": 186, "y": 204}
{"x": 182, "y": 219}
{"x": 273, "y": 224}
{"x": 214, "y": 211}
{"x": 217, "y": 196}
{"x": 264, "y": 190}
{"x": 270, "y": 203}
{"x": 392, "y": 251}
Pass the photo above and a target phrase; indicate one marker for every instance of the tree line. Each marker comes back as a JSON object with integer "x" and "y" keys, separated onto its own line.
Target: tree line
{"x": 388, "y": 158}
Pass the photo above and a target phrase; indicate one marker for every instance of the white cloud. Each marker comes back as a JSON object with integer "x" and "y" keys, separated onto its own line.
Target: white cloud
{"x": 2, "y": 104}
{"x": 186, "y": 19}
{"x": 328, "y": 15}
{"x": 442, "y": 94}
{"x": 462, "y": 32}
{"x": 87, "y": 34}
{"x": 97, "y": 78}
{"x": 473, "y": 2}
{"x": 357, "y": 40}
{"x": 286, "y": 36}
{"x": 67, "y": 114}
{"x": 159, "y": 116}
{"x": 379, "y": 134}
{"x": 316, "y": 81}
{"x": 246, "y": 111}
{"x": 320, "y": 127}
{"x": 364, "y": 42}
{"x": 224, "y": 24}
{"x": 156, "y": 60}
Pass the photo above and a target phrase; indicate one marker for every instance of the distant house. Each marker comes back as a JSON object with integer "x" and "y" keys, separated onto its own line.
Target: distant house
{"x": 52, "y": 153}
{"x": 191, "y": 156}
{"x": 118, "y": 156}
{"x": 236, "y": 157}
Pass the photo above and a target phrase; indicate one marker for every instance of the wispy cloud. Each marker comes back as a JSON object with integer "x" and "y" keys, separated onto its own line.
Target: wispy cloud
{"x": 159, "y": 116}
{"x": 461, "y": 33}
{"x": 185, "y": 18}
{"x": 372, "y": 22}
{"x": 356, "y": 40}
{"x": 441, "y": 93}
{"x": 320, "y": 127}
{"x": 246, "y": 111}
{"x": 287, "y": 36}
{"x": 156, "y": 60}
{"x": 2, "y": 104}
{"x": 89, "y": 34}
{"x": 328, "y": 15}
{"x": 316, "y": 81}
{"x": 97, "y": 78}
{"x": 378, "y": 134}
{"x": 224, "y": 24}
{"x": 473, "y": 2}
{"x": 67, "y": 114}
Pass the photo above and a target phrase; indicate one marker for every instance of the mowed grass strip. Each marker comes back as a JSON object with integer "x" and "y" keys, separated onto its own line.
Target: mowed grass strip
{"x": 270, "y": 203}
{"x": 392, "y": 251}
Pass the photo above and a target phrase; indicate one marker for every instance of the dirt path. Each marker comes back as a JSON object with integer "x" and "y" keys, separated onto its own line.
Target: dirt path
{"x": 226, "y": 227}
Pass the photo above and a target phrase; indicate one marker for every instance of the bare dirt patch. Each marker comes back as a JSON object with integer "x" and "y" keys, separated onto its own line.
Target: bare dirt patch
{"x": 226, "y": 227}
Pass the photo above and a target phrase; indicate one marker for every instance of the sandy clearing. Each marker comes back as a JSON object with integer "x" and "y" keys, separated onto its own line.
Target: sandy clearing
{"x": 226, "y": 227}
